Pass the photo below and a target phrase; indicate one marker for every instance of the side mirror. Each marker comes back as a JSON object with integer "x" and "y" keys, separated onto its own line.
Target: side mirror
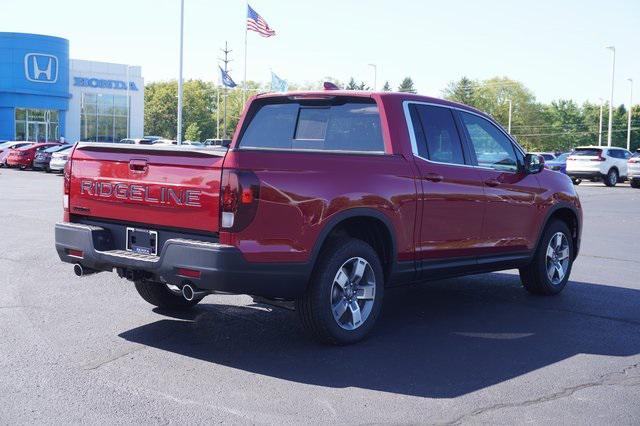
{"x": 533, "y": 164}
{"x": 226, "y": 143}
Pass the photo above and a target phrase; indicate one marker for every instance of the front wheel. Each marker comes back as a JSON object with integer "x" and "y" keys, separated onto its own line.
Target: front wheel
{"x": 635, "y": 183}
{"x": 344, "y": 297}
{"x": 576, "y": 181}
{"x": 612, "y": 178}
{"x": 549, "y": 271}
{"x": 159, "y": 295}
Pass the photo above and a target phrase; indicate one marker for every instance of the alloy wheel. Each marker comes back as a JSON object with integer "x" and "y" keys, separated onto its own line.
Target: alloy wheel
{"x": 353, "y": 293}
{"x": 557, "y": 258}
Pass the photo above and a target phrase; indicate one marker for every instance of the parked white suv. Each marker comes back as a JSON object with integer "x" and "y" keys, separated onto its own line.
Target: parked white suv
{"x": 634, "y": 169}
{"x": 598, "y": 162}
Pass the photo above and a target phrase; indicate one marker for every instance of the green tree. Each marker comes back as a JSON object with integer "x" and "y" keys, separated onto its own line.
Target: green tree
{"x": 386, "y": 87}
{"x": 463, "y": 91}
{"x": 407, "y": 86}
{"x": 352, "y": 85}
{"x": 193, "y": 132}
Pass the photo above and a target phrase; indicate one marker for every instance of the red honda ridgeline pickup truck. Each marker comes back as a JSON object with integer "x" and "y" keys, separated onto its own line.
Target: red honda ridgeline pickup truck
{"x": 323, "y": 199}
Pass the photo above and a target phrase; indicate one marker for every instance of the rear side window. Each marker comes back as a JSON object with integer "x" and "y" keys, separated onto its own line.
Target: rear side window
{"x": 586, "y": 152}
{"x": 438, "y": 138}
{"x": 343, "y": 126}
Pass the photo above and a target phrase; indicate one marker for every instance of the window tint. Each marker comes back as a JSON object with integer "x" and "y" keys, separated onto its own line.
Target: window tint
{"x": 350, "y": 126}
{"x": 438, "y": 139}
{"x": 586, "y": 152}
{"x": 548, "y": 157}
{"x": 492, "y": 148}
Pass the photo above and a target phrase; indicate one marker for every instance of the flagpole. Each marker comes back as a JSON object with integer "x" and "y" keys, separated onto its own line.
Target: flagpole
{"x": 246, "y": 32}
{"x": 179, "y": 130}
{"x": 218, "y": 112}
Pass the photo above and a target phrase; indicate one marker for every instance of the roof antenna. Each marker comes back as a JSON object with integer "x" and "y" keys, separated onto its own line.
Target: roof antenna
{"x": 330, "y": 86}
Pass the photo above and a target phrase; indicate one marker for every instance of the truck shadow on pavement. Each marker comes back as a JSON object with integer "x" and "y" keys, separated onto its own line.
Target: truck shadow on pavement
{"x": 440, "y": 340}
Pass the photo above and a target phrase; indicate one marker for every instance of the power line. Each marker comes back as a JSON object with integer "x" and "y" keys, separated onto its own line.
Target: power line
{"x": 573, "y": 133}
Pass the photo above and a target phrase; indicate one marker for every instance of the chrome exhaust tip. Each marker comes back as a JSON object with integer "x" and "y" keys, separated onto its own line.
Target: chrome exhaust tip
{"x": 189, "y": 293}
{"x": 82, "y": 271}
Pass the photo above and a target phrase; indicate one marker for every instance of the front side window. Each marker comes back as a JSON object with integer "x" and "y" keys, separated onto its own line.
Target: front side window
{"x": 340, "y": 125}
{"x": 437, "y": 139}
{"x": 492, "y": 148}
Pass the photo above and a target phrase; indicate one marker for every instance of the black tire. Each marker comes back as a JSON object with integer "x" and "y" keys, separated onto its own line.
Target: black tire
{"x": 159, "y": 295}
{"x": 47, "y": 169}
{"x": 534, "y": 276}
{"x": 612, "y": 178}
{"x": 315, "y": 306}
{"x": 576, "y": 181}
{"x": 635, "y": 183}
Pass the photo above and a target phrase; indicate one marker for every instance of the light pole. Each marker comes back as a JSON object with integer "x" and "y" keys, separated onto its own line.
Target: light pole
{"x": 600, "y": 128}
{"x": 629, "y": 114}
{"x": 510, "y": 111}
{"x": 375, "y": 76}
{"x": 128, "y": 105}
{"x": 179, "y": 130}
{"x": 613, "y": 74}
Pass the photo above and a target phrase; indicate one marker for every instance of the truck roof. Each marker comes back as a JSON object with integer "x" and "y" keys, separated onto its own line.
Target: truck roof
{"x": 401, "y": 96}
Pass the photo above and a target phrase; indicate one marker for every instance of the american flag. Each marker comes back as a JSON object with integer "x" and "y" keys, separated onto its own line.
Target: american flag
{"x": 256, "y": 23}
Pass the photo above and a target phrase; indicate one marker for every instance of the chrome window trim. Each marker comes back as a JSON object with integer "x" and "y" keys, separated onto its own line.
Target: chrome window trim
{"x": 315, "y": 151}
{"x": 414, "y": 143}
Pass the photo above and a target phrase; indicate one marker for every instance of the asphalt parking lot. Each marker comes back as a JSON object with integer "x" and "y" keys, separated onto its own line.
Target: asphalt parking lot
{"x": 469, "y": 350}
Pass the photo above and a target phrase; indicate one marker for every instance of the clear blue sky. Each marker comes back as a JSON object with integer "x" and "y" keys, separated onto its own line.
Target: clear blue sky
{"x": 556, "y": 48}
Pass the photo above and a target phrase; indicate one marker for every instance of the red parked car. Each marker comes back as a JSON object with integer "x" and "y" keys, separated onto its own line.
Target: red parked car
{"x": 6, "y": 147}
{"x": 323, "y": 199}
{"x": 23, "y": 157}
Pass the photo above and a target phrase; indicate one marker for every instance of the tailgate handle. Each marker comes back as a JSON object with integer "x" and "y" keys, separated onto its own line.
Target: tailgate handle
{"x": 138, "y": 165}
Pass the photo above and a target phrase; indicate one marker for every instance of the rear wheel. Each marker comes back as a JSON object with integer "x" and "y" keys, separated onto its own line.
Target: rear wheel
{"x": 344, "y": 297}
{"x": 612, "y": 178}
{"x": 635, "y": 183}
{"x": 576, "y": 181}
{"x": 159, "y": 295}
{"x": 549, "y": 271}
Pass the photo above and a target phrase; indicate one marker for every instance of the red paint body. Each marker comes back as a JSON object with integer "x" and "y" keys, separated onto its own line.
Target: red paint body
{"x": 301, "y": 192}
{"x": 23, "y": 157}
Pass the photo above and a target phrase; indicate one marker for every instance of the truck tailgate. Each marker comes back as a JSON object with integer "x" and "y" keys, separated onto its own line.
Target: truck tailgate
{"x": 169, "y": 186}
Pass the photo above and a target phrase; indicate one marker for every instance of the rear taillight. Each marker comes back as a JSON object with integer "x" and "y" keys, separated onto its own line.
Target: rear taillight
{"x": 239, "y": 195}
{"x": 67, "y": 185}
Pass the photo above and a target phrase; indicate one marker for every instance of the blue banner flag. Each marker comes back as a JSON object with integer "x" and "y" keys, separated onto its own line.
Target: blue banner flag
{"x": 226, "y": 79}
{"x": 278, "y": 84}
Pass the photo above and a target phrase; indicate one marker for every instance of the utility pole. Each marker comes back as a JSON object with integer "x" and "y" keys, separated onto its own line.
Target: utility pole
{"x": 600, "y": 128}
{"x": 225, "y": 61}
{"x": 613, "y": 74}
{"x": 629, "y": 111}
{"x": 179, "y": 129}
{"x": 510, "y": 111}
{"x": 375, "y": 76}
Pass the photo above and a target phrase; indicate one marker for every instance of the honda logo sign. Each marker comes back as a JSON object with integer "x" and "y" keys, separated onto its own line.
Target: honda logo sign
{"x": 41, "y": 68}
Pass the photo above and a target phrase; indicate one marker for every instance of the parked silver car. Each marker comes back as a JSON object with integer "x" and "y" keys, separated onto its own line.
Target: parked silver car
{"x": 59, "y": 159}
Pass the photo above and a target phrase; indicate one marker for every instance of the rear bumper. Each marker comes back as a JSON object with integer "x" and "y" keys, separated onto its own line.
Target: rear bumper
{"x": 222, "y": 267}
{"x": 57, "y": 165}
{"x": 15, "y": 162}
{"x": 40, "y": 164}
{"x": 584, "y": 174}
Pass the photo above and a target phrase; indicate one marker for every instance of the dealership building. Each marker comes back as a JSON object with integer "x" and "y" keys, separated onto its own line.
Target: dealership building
{"x": 45, "y": 96}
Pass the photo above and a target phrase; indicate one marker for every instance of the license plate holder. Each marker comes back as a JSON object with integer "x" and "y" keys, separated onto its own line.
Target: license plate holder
{"x": 142, "y": 241}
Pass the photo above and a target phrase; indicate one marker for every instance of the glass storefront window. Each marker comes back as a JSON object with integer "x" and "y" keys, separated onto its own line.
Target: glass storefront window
{"x": 36, "y": 125}
{"x": 103, "y": 118}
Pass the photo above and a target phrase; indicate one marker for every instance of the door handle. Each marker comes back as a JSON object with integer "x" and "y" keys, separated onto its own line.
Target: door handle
{"x": 138, "y": 165}
{"x": 492, "y": 182}
{"x": 433, "y": 177}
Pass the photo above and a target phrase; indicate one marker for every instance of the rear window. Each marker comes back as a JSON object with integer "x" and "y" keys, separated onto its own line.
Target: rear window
{"x": 337, "y": 126}
{"x": 587, "y": 152}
